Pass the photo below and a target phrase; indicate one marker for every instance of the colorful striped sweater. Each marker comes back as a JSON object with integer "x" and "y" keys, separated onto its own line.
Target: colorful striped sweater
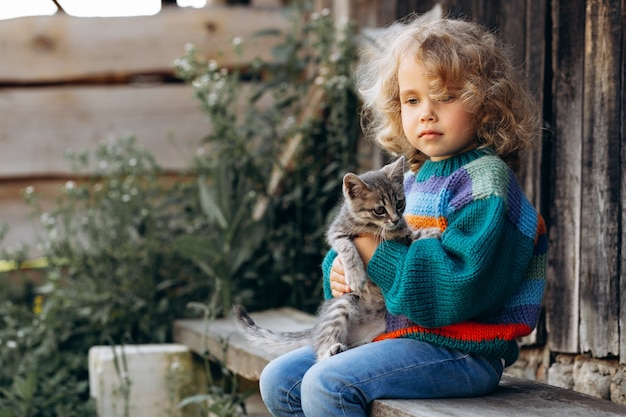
{"x": 481, "y": 286}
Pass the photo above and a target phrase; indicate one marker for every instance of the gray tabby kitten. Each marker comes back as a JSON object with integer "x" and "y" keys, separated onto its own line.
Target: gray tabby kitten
{"x": 373, "y": 203}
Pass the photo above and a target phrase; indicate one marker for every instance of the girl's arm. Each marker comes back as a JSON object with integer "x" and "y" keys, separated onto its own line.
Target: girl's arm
{"x": 470, "y": 272}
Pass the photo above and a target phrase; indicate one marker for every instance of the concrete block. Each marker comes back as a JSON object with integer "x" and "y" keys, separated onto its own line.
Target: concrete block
{"x": 593, "y": 376}
{"x": 532, "y": 364}
{"x": 561, "y": 372}
{"x": 156, "y": 378}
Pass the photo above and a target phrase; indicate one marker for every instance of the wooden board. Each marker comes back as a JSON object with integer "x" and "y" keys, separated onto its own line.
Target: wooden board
{"x": 39, "y": 124}
{"x": 241, "y": 357}
{"x": 514, "y": 397}
{"x": 601, "y": 199}
{"x": 61, "y": 47}
{"x": 562, "y": 298}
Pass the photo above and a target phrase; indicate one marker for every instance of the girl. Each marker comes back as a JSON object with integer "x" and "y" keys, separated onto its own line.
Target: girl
{"x": 444, "y": 94}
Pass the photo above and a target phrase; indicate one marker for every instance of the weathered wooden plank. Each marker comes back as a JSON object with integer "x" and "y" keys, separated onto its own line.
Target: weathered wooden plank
{"x": 535, "y": 60}
{"x": 61, "y": 47}
{"x": 622, "y": 126}
{"x": 39, "y": 124}
{"x": 240, "y": 357}
{"x": 531, "y": 175}
{"x": 564, "y": 219}
{"x": 514, "y": 397}
{"x": 601, "y": 204}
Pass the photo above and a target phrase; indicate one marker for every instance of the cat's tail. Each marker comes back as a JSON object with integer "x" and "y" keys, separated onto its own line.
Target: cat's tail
{"x": 273, "y": 341}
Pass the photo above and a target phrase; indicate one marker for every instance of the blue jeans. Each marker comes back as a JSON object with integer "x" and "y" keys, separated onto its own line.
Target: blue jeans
{"x": 343, "y": 385}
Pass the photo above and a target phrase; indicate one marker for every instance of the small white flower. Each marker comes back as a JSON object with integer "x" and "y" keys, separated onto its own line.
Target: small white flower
{"x": 213, "y": 65}
{"x": 132, "y": 162}
{"x": 103, "y": 165}
{"x": 189, "y": 47}
{"x": 70, "y": 185}
{"x": 335, "y": 57}
{"x": 211, "y": 99}
{"x": 29, "y": 190}
{"x": 325, "y": 11}
{"x": 125, "y": 198}
{"x": 46, "y": 219}
{"x": 237, "y": 40}
{"x": 11, "y": 344}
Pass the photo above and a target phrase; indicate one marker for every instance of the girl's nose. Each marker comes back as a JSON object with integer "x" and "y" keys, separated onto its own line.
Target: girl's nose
{"x": 427, "y": 114}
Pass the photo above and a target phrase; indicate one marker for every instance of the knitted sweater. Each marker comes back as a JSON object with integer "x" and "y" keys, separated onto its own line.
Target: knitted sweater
{"x": 481, "y": 285}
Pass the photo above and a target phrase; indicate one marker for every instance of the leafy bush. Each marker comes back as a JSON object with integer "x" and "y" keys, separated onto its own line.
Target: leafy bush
{"x": 312, "y": 108}
{"x": 250, "y": 214}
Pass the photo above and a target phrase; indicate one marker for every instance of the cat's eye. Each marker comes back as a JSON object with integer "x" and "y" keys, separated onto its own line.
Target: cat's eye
{"x": 400, "y": 205}
{"x": 380, "y": 211}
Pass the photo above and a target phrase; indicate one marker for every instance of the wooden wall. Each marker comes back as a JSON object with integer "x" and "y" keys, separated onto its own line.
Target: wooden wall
{"x": 68, "y": 82}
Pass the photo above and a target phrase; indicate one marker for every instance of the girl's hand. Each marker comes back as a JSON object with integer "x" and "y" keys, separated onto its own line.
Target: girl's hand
{"x": 338, "y": 283}
{"x": 366, "y": 245}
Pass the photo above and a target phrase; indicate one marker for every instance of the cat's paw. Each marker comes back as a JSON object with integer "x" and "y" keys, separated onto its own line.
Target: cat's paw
{"x": 356, "y": 280}
{"x": 333, "y": 350}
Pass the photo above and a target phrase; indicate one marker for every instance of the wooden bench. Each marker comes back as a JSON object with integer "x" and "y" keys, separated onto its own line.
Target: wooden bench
{"x": 514, "y": 398}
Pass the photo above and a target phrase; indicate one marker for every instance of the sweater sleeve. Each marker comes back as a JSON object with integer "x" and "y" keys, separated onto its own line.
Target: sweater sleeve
{"x": 470, "y": 272}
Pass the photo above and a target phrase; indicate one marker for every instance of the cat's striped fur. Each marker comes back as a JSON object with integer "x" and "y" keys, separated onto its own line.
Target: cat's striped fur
{"x": 373, "y": 203}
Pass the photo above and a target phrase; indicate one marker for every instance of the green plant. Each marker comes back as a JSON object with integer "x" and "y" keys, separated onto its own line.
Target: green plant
{"x": 38, "y": 378}
{"x": 291, "y": 153}
{"x": 112, "y": 276}
{"x": 225, "y": 251}
{"x": 222, "y": 396}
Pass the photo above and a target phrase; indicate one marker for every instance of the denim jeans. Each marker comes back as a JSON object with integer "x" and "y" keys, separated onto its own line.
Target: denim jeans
{"x": 343, "y": 385}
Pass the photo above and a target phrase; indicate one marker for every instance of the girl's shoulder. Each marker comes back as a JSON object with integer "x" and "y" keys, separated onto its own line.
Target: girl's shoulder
{"x": 481, "y": 177}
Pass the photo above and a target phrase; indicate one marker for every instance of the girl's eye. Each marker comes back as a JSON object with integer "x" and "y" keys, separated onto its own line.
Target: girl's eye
{"x": 400, "y": 205}
{"x": 412, "y": 101}
{"x": 445, "y": 99}
{"x": 379, "y": 211}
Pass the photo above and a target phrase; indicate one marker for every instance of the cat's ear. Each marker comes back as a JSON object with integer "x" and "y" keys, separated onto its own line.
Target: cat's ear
{"x": 353, "y": 186}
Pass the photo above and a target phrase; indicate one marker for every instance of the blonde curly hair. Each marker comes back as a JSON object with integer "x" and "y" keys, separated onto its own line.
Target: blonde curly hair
{"x": 453, "y": 52}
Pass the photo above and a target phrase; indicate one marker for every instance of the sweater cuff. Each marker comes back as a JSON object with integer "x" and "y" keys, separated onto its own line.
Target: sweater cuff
{"x": 327, "y": 263}
{"x": 382, "y": 267}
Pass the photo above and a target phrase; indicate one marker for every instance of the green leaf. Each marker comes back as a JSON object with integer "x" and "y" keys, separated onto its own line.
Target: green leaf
{"x": 195, "y": 399}
{"x": 197, "y": 248}
{"x": 209, "y": 205}
{"x": 25, "y": 387}
{"x": 5, "y": 412}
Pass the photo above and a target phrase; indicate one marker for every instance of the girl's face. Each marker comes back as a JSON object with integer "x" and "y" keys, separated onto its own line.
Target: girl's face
{"x": 438, "y": 127}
